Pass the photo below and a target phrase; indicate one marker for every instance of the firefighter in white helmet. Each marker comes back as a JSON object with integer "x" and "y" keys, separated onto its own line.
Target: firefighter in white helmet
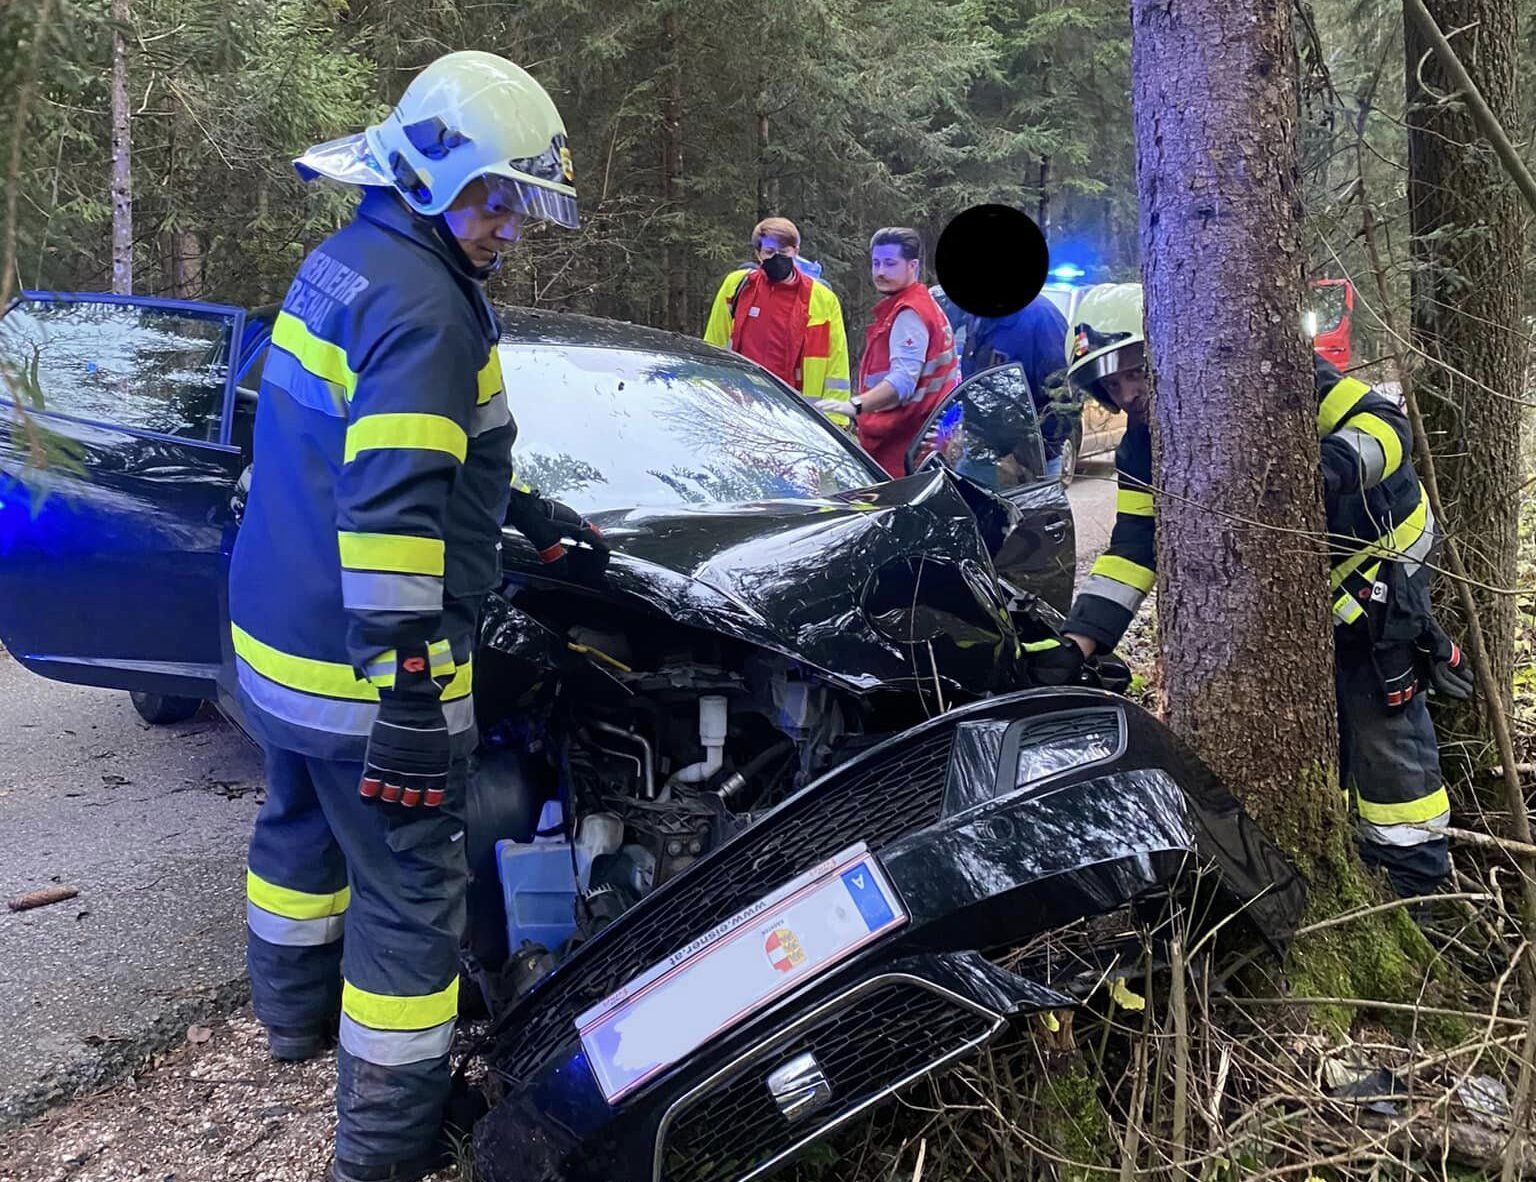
{"x": 1388, "y": 647}
{"x": 369, "y": 541}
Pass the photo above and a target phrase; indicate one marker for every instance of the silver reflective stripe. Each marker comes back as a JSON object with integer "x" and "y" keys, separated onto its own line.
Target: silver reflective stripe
{"x": 293, "y": 933}
{"x": 395, "y": 1048}
{"x": 938, "y": 363}
{"x": 375, "y": 591}
{"x": 1372, "y": 457}
{"x": 1116, "y": 592}
{"x": 836, "y": 384}
{"x": 1418, "y": 550}
{"x": 489, "y": 417}
{"x": 1405, "y": 835}
{"x": 284, "y": 371}
{"x": 333, "y": 715}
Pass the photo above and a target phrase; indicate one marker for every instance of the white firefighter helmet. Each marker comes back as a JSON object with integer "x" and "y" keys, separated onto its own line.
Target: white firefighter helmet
{"x": 467, "y": 115}
{"x": 1107, "y": 338}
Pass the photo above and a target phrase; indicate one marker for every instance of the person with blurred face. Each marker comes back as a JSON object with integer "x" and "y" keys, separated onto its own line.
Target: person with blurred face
{"x": 909, "y": 363}
{"x": 781, "y": 316}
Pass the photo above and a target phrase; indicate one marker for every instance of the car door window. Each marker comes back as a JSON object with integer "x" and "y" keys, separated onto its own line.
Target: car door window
{"x": 145, "y": 366}
{"x": 988, "y": 431}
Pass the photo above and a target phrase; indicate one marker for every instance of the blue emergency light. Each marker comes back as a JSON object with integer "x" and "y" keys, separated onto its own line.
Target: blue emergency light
{"x": 1067, "y": 273}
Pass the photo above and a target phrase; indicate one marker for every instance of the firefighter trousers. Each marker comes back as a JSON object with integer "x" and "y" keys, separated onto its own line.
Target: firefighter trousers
{"x": 357, "y": 908}
{"x": 1390, "y": 761}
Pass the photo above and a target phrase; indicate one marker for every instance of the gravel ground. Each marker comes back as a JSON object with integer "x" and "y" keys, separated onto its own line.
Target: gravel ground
{"x": 214, "y": 1109}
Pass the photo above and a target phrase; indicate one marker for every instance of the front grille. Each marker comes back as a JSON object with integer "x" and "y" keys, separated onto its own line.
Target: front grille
{"x": 885, "y": 1036}
{"x": 897, "y": 793}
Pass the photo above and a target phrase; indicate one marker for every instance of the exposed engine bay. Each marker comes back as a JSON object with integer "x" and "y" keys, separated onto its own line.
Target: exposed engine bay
{"x": 625, "y": 734}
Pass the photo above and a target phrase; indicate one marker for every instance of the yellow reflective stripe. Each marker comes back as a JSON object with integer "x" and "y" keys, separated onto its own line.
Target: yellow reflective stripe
{"x": 422, "y": 432}
{"x": 1123, "y": 570}
{"x": 291, "y": 904}
{"x": 521, "y": 486}
{"x": 301, "y": 673}
{"x": 319, "y": 357}
{"x": 1346, "y": 610}
{"x": 488, "y": 383}
{"x": 463, "y": 681}
{"x": 1387, "y": 546}
{"x": 1137, "y": 504}
{"x": 1337, "y": 405}
{"x": 1409, "y": 812}
{"x": 400, "y": 553}
{"x": 440, "y": 658}
{"x": 380, "y": 1011}
{"x": 1378, "y": 429}
{"x": 1041, "y": 646}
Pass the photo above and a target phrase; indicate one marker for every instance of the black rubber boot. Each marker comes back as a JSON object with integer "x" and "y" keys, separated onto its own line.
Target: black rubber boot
{"x": 291, "y": 1044}
{"x": 413, "y": 1170}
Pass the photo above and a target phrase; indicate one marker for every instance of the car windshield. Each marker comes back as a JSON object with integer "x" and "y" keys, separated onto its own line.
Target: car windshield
{"x": 614, "y": 428}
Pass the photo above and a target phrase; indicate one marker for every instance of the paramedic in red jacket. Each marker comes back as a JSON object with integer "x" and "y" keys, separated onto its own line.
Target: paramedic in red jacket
{"x": 909, "y": 361}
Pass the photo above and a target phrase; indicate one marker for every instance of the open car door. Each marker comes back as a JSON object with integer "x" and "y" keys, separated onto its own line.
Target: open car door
{"x": 115, "y": 489}
{"x": 987, "y": 431}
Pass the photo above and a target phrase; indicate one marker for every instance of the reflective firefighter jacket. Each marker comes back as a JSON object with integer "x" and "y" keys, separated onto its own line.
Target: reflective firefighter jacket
{"x": 1381, "y": 513}
{"x": 381, "y": 479}
{"x": 823, "y": 351}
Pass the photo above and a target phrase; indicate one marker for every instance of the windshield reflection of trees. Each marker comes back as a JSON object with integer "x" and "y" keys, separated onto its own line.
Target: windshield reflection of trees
{"x": 774, "y": 451}
{"x": 147, "y": 368}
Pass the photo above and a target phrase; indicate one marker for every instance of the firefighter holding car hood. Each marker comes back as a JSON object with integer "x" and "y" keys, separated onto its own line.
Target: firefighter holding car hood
{"x": 1388, "y": 646}
{"x": 370, "y": 539}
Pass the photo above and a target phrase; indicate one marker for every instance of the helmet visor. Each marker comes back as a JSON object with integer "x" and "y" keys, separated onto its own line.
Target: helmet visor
{"x": 1088, "y": 377}
{"x": 534, "y": 202}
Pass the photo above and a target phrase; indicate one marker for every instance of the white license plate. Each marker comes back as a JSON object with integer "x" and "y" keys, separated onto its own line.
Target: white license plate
{"x": 737, "y": 967}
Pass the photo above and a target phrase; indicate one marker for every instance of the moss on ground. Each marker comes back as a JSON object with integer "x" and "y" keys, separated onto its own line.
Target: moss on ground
{"x": 1073, "y": 1121}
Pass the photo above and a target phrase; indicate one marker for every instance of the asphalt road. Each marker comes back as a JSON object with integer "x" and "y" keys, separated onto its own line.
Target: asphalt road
{"x": 150, "y": 824}
{"x": 1092, "y": 495}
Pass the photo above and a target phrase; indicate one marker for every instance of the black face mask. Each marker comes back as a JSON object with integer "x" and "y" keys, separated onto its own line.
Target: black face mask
{"x": 777, "y": 267}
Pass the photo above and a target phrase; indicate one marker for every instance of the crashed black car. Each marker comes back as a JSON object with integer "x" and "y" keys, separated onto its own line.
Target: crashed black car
{"x": 755, "y": 819}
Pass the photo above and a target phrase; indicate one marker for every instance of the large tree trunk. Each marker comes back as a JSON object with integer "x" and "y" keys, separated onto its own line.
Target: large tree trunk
{"x": 1242, "y": 586}
{"x": 671, "y": 172}
{"x": 122, "y": 156}
{"x": 1466, "y": 223}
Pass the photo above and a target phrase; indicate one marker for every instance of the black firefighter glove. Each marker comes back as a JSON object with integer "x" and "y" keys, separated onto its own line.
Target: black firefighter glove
{"x": 1446, "y": 666}
{"x": 1054, "y": 661}
{"x": 569, "y": 545}
{"x": 408, "y": 752}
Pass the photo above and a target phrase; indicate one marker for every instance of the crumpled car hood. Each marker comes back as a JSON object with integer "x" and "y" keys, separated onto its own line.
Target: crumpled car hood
{"x": 795, "y": 577}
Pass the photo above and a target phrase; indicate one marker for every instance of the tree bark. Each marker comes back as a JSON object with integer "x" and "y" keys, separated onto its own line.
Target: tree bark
{"x": 1465, "y": 218}
{"x": 122, "y": 156}
{"x": 764, "y": 176}
{"x": 186, "y": 251}
{"x": 1242, "y": 586}
{"x": 671, "y": 171}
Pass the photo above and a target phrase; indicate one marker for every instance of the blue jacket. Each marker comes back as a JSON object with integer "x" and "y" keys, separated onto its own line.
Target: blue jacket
{"x": 381, "y": 480}
{"x": 1036, "y": 338}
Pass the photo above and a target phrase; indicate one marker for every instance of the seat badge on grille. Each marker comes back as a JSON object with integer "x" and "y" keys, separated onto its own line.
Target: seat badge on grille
{"x": 799, "y": 1087}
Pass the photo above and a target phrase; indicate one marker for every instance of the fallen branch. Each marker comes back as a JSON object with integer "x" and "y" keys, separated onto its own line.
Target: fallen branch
{"x": 42, "y": 898}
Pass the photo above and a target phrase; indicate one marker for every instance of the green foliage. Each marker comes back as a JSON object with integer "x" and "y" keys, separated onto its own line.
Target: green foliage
{"x": 842, "y": 115}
